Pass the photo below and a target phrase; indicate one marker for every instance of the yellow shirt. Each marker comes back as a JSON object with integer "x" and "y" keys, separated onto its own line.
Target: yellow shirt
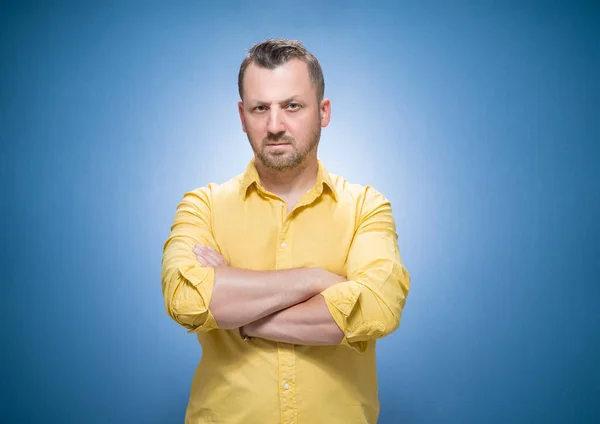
{"x": 344, "y": 228}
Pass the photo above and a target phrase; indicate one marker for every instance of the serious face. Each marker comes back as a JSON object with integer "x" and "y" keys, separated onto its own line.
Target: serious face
{"x": 281, "y": 114}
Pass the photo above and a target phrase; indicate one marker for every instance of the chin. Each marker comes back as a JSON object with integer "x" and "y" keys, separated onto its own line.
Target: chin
{"x": 280, "y": 165}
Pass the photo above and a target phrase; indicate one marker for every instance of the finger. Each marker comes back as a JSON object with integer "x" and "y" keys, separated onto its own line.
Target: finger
{"x": 203, "y": 261}
{"x": 215, "y": 256}
{"x": 209, "y": 255}
{"x": 207, "y": 261}
{"x": 221, "y": 261}
{"x": 205, "y": 254}
{"x": 199, "y": 248}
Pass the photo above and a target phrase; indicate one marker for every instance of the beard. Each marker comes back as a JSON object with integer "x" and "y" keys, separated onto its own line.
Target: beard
{"x": 290, "y": 159}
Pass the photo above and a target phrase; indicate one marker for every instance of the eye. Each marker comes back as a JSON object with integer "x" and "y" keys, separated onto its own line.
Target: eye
{"x": 259, "y": 109}
{"x": 293, "y": 106}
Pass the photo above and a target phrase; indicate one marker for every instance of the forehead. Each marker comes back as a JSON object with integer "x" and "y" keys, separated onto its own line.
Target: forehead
{"x": 290, "y": 79}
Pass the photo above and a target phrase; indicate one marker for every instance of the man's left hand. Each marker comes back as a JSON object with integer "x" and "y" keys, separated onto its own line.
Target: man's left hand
{"x": 209, "y": 257}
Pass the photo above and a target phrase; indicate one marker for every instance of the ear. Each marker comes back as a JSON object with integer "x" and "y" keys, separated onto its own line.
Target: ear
{"x": 325, "y": 109}
{"x": 241, "y": 111}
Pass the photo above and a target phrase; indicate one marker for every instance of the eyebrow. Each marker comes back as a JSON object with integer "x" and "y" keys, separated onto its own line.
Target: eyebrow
{"x": 288, "y": 100}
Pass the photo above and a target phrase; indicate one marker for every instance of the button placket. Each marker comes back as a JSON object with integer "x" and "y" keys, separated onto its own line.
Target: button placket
{"x": 285, "y": 351}
{"x": 287, "y": 381}
{"x": 283, "y": 259}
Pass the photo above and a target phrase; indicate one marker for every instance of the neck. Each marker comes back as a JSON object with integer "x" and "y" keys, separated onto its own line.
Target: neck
{"x": 290, "y": 182}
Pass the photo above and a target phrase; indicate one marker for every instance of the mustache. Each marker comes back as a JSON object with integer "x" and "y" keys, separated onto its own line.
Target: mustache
{"x": 279, "y": 139}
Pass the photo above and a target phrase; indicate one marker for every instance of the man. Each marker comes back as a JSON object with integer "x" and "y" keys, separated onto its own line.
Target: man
{"x": 287, "y": 273}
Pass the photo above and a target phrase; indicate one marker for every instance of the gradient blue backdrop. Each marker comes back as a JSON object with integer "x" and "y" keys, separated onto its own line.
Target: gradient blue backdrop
{"x": 480, "y": 121}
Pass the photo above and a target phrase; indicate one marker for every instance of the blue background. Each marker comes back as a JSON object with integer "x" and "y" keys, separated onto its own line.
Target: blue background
{"x": 478, "y": 120}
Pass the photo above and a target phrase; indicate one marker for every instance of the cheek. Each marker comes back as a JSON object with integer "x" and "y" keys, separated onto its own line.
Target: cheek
{"x": 255, "y": 128}
{"x": 256, "y": 137}
{"x": 297, "y": 125}
{"x": 302, "y": 127}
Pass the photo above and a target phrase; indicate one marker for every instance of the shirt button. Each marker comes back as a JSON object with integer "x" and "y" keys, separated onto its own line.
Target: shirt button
{"x": 281, "y": 203}
{"x": 286, "y": 386}
{"x": 283, "y": 244}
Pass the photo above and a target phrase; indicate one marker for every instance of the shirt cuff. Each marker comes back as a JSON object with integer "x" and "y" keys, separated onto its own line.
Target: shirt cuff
{"x": 194, "y": 309}
{"x": 341, "y": 299}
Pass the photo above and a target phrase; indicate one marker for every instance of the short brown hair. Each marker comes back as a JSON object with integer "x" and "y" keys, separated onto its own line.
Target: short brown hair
{"x": 275, "y": 52}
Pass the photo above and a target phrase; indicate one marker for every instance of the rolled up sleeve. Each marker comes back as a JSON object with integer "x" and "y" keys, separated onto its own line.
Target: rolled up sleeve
{"x": 187, "y": 285}
{"x": 369, "y": 305}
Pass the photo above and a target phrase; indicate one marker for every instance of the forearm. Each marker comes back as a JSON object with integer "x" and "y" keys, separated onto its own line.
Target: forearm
{"x": 307, "y": 323}
{"x": 243, "y": 296}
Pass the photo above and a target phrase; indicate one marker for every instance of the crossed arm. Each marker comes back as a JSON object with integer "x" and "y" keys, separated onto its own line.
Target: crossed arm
{"x": 284, "y": 306}
{"x": 301, "y": 306}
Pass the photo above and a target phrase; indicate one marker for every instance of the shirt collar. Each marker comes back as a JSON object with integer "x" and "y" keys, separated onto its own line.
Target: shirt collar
{"x": 250, "y": 177}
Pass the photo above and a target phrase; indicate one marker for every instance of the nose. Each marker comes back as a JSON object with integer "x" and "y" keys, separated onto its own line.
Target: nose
{"x": 276, "y": 124}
